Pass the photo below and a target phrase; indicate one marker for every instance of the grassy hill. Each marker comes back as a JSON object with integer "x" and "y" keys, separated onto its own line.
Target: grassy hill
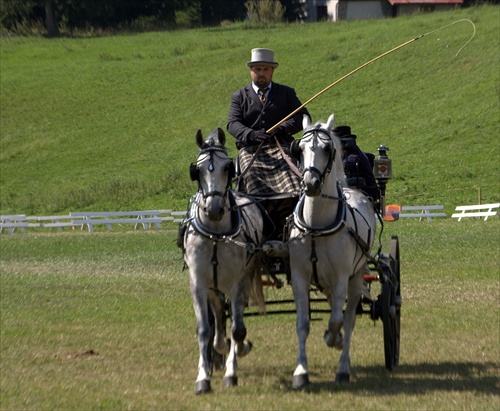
{"x": 108, "y": 123}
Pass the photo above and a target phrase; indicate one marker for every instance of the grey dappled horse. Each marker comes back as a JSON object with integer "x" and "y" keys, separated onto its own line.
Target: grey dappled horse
{"x": 324, "y": 247}
{"x": 222, "y": 233}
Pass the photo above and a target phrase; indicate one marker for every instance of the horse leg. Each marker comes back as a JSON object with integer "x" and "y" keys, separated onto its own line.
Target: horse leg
{"x": 300, "y": 286}
{"x": 333, "y": 335}
{"x": 239, "y": 346}
{"x": 221, "y": 344}
{"x": 200, "y": 304}
{"x": 353, "y": 297}
{"x": 230, "y": 378}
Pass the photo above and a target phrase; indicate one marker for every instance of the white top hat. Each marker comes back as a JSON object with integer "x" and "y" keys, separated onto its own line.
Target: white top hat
{"x": 262, "y": 56}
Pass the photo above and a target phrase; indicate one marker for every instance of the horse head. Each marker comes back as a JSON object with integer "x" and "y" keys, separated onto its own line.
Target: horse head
{"x": 319, "y": 154}
{"x": 214, "y": 171}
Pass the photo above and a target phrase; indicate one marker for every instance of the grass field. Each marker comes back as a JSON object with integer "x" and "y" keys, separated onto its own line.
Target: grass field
{"x": 105, "y": 321}
{"x": 108, "y": 123}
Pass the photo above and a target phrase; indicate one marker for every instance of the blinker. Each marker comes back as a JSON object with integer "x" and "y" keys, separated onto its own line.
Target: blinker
{"x": 194, "y": 172}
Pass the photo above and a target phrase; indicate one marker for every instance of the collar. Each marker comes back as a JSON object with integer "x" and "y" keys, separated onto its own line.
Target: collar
{"x": 216, "y": 236}
{"x": 256, "y": 89}
{"x": 334, "y": 227}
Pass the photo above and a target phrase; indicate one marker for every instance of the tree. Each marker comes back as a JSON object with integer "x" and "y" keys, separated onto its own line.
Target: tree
{"x": 294, "y": 10}
{"x": 215, "y": 11}
{"x": 111, "y": 14}
{"x": 265, "y": 11}
{"x": 50, "y": 19}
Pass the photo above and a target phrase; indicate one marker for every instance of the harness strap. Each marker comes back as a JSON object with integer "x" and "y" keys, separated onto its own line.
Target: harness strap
{"x": 314, "y": 260}
{"x": 354, "y": 231}
{"x": 214, "y": 193}
{"x": 293, "y": 167}
{"x": 215, "y": 262}
{"x": 360, "y": 241}
{"x": 235, "y": 218}
{"x": 258, "y": 198}
{"x": 337, "y": 224}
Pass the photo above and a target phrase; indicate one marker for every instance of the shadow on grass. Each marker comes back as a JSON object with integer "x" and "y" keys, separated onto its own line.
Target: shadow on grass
{"x": 411, "y": 379}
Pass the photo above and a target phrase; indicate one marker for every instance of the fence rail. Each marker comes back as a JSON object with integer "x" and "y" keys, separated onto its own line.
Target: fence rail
{"x": 149, "y": 218}
{"x": 484, "y": 210}
{"x": 87, "y": 220}
{"x": 420, "y": 212}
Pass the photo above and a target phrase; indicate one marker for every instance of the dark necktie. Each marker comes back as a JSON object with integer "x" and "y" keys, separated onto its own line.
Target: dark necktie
{"x": 262, "y": 94}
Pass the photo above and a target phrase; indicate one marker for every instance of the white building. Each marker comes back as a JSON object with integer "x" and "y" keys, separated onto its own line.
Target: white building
{"x": 334, "y": 10}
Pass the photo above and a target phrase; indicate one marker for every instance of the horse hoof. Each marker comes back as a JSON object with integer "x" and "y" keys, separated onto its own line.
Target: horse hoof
{"x": 336, "y": 342}
{"x": 247, "y": 347}
{"x": 300, "y": 380}
{"x": 203, "y": 387}
{"x": 328, "y": 339}
{"x": 342, "y": 378}
{"x": 230, "y": 381}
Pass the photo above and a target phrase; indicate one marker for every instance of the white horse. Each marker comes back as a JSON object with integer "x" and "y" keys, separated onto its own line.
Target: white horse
{"x": 221, "y": 234}
{"x": 332, "y": 233}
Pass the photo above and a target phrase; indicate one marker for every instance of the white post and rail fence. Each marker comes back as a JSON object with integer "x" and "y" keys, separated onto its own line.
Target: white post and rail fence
{"x": 145, "y": 219}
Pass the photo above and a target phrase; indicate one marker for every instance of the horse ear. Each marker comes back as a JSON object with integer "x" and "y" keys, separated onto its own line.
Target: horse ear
{"x": 295, "y": 151}
{"x": 199, "y": 139}
{"x": 306, "y": 121}
{"x": 221, "y": 136}
{"x": 329, "y": 123}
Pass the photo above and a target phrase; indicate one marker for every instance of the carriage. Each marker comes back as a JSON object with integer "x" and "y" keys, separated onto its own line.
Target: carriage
{"x": 216, "y": 303}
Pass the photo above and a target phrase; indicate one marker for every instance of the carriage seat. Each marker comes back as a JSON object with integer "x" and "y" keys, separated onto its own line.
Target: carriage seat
{"x": 274, "y": 248}
{"x": 356, "y": 182}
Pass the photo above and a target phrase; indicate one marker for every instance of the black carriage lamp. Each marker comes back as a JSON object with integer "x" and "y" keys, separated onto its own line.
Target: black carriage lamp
{"x": 382, "y": 169}
{"x": 382, "y": 165}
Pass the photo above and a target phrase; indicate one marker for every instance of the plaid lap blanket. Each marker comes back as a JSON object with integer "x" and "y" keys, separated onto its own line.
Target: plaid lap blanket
{"x": 269, "y": 173}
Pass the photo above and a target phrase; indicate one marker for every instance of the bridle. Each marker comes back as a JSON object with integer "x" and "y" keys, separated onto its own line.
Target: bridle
{"x": 211, "y": 152}
{"x": 315, "y": 134}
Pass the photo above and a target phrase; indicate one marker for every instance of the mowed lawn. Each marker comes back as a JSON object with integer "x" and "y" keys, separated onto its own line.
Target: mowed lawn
{"x": 105, "y": 321}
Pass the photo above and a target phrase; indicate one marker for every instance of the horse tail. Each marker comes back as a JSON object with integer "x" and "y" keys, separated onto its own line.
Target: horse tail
{"x": 256, "y": 295}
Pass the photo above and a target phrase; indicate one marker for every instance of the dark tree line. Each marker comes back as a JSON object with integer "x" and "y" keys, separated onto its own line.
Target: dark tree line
{"x": 116, "y": 14}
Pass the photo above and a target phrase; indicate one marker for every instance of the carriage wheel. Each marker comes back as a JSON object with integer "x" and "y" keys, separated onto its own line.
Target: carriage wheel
{"x": 216, "y": 361}
{"x": 391, "y": 308}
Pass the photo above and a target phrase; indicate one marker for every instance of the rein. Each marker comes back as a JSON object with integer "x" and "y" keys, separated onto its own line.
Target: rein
{"x": 238, "y": 179}
{"x": 292, "y": 166}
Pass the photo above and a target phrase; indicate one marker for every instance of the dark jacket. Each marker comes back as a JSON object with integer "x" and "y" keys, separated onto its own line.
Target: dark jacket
{"x": 247, "y": 113}
{"x": 357, "y": 164}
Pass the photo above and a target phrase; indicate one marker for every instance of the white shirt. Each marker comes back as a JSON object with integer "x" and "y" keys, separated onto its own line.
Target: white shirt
{"x": 256, "y": 89}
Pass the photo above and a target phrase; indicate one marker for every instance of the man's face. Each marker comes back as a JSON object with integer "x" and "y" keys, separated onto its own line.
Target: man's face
{"x": 261, "y": 75}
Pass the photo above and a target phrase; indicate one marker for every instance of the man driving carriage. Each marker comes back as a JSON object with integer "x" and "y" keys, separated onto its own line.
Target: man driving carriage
{"x": 255, "y": 108}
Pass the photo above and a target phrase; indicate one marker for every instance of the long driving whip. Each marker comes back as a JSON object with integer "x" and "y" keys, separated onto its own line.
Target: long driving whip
{"x": 370, "y": 62}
